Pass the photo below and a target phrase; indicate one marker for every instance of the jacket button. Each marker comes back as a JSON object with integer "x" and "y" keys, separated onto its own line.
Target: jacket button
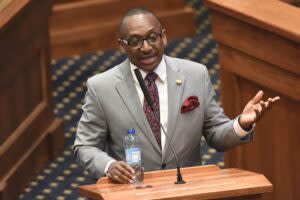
{"x": 163, "y": 165}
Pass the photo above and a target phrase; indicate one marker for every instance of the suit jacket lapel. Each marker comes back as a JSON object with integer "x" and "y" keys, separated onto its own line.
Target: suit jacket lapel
{"x": 175, "y": 80}
{"x": 127, "y": 91}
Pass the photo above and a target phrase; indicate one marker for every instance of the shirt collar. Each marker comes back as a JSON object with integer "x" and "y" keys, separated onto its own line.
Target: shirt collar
{"x": 160, "y": 70}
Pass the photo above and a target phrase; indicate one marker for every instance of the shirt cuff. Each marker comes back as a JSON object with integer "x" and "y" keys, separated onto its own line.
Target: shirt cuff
{"x": 239, "y": 130}
{"x": 107, "y": 166}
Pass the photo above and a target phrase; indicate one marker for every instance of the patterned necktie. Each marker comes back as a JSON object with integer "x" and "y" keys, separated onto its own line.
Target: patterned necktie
{"x": 154, "y": 124}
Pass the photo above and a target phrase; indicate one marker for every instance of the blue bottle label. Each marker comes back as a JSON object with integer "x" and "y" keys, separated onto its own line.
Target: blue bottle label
{"x": 133, "y": 155}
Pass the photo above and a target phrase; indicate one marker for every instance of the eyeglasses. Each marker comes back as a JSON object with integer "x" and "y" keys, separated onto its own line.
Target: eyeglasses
{"x": 136, "y": 43}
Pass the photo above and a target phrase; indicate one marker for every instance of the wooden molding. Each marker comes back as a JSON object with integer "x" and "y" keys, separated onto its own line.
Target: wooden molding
{"x": 257, "y": 42}
{"x": 260, "y": 72}
{"x": 273, "y": 15}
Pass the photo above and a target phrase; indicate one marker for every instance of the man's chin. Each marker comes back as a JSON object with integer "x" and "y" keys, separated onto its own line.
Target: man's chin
{"x": 148, "y": 67}
{"x": 149, "y": 64}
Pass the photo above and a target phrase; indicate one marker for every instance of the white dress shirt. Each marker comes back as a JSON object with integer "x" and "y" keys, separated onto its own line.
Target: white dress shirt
{"x": 162, "y": 87}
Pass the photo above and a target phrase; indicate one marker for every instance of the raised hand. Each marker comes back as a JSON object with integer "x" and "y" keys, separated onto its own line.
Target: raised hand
{"x": 255, "y": 109}
{"x": 120, "y": 172}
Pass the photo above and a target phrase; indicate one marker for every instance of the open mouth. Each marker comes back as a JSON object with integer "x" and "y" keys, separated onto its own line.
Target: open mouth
{"x": 148, "y": 60}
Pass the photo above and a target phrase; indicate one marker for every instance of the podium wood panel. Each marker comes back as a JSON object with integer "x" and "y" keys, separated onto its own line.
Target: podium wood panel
{"x": 204, "y": 182}
{"x": 30, "y": 134}
{"x": 259, "y": 48}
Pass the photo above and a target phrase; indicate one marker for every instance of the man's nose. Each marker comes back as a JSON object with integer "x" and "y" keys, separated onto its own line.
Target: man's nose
{"x": 146, "y": 46}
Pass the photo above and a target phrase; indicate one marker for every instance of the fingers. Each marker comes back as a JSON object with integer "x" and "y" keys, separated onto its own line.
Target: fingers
{"x": 257, "y": 97}
{"x": 120, "y": 172}
{"x": 275, "y": 99}
{"x": 116, "y": 177}
{"x": 127, "y": 167}
{"x": 263, "y": 106}
{"x": 126, "y": 171}
{"x": 266, "y": 105}
{"x": 259, "y": 110}
{"x": 257, "y": 114}
{"x": 255, "y": 109}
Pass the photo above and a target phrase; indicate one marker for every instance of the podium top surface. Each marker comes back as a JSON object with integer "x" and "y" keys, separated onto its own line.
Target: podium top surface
{"x": 205, "y": 182}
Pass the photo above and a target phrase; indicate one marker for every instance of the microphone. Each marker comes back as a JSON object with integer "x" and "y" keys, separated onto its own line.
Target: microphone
{"x": 150, "y": 103}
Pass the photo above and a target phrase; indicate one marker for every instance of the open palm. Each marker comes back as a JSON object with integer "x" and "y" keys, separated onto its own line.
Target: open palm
{"x": 255, "y": 109}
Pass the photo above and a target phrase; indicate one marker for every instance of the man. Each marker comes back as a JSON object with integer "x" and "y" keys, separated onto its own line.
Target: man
{"x": 184, "y": 104}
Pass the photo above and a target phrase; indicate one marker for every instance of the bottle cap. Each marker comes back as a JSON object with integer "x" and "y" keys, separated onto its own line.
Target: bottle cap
{"x": 131, "y": 131}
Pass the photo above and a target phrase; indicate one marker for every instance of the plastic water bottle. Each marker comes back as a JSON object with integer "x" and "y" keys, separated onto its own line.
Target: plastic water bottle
{"x": 133, "y": 154}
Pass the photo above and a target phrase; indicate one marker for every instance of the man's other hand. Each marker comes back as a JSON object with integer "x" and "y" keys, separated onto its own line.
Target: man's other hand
{"x": 255, "y": 109}
{"x": 120, "y": 172}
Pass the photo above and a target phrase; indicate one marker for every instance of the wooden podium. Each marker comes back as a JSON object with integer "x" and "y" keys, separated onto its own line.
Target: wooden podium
{"x": 259, "y": 48}
{"x": 203, "y": 182}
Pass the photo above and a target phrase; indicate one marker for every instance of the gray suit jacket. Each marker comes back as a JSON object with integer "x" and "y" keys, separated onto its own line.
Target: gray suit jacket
{"x": 112, "y": 106}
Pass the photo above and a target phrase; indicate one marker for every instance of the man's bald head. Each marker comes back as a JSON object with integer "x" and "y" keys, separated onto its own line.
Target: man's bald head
{"x": 132, "y": 12}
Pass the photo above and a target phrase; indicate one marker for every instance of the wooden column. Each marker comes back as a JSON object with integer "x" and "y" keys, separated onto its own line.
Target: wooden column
{"x": 259, "y": 48}
{"x": 30, "y": 134}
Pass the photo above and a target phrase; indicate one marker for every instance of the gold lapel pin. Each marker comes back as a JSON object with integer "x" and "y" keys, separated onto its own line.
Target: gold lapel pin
{"x": 178, "y": 82}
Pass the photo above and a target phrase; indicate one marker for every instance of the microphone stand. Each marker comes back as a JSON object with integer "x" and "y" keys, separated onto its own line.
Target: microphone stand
{"x": 150, "y": 103}
{"x": 179, "y": 175}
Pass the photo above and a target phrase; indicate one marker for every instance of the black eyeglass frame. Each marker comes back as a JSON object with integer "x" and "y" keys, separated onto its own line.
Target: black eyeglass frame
{"x": 126, "y": 42}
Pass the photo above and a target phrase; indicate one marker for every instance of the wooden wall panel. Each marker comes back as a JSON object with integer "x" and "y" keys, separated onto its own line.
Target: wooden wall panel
{"x": 259, "y": 50}
{"x": 273, "y": 150}
{"x": 5, "y": 115}
{"x": 30, "y": 134}
{"x": 33, "y": 84}
{"x": 81, "y": 26}
{"x": 79, "y": 13}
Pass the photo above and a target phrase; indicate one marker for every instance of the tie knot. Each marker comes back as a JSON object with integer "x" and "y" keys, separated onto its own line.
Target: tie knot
{"x": 151, "y": 77}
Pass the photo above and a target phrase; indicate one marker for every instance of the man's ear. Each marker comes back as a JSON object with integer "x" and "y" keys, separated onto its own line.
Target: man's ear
{"x": 164, "y": 37}
{"x": 121, "y": 46}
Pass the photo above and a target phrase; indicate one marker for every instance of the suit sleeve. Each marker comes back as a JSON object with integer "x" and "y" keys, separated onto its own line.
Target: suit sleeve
{"x": 218, "y": 129}
{"x": 91, "y": 137}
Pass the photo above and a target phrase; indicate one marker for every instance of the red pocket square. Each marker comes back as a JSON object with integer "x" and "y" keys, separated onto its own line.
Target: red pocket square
{"x": 190, "y": 104}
